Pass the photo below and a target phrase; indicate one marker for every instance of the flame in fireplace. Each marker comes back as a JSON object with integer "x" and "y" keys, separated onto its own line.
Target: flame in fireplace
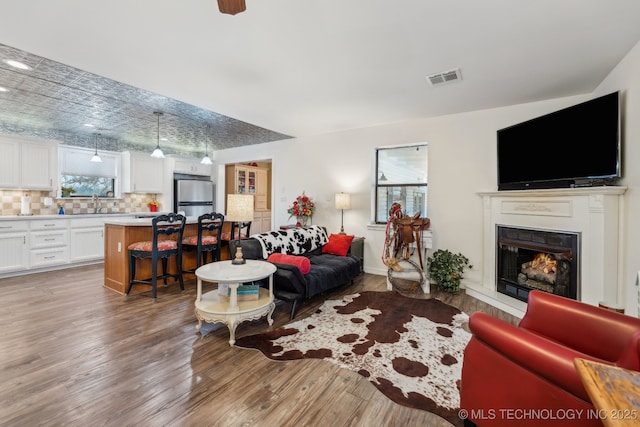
{"x": 544, "y": 262}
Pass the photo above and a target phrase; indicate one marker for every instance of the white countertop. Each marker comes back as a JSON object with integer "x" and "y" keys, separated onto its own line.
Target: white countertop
{"x": 110, "y": 218}
{"x": 83, "y": 215}
{"x": 54, "y": 216}
{"x": 140, "y": 222}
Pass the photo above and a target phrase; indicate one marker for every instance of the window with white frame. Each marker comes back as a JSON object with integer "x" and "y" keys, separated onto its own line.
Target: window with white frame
{"x": 79, "y": 177}
{"x": 401, "y": 177}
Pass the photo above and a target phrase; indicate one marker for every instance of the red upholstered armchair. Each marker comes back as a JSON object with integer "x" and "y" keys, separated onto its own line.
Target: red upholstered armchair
{"x": 524, "y": 375}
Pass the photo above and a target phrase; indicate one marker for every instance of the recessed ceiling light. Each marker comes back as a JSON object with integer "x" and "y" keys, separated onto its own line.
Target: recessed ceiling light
{"x": 17, "y": 64}
{"x": 3, "y": 89}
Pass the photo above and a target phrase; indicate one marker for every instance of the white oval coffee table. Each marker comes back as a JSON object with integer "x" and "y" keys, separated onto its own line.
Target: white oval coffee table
{"x": 211, "y": 307}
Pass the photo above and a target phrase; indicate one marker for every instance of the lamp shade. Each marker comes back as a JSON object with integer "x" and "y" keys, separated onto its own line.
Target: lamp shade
{"x": 239, "y": 207}
{"x": 343, "y": 201}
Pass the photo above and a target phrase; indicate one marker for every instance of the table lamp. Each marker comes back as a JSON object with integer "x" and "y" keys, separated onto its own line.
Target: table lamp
{"x": 343, "y": 201}
{"x": 240, "y": 210}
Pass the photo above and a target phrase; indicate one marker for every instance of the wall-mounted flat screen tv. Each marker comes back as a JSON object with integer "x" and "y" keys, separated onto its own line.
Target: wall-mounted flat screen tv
{"x": 575, "y": 146}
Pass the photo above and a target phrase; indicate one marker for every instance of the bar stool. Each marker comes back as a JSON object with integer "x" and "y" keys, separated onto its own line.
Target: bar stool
{"x": 167, "y": 242}
{"x": 207, "y": 240}
{"x": 241, "y": 229}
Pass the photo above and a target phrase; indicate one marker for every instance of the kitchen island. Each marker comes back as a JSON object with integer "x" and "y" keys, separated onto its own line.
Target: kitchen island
{"x": 119, "y": 233}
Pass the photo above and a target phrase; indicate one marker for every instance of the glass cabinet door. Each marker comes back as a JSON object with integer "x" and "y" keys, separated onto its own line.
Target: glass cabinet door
{"x": 251, "y": 176}
{"x": 242, "y": 176}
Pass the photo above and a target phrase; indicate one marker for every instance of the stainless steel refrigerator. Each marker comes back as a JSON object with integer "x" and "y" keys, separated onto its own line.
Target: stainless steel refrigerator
{"x": 193, "y": 197}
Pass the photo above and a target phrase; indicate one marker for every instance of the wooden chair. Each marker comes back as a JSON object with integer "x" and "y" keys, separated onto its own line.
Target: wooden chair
{"x": 167, "y": 242}
{"x": 241, "y": 229}
{"x": 207, "y": 240}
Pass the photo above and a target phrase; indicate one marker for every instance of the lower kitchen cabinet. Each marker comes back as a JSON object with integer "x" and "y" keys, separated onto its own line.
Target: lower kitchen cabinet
{"x": 87, "y": 244}
{"x": 87, "y": 239}
{"x": 48, "y": 256}
{"x": 40, "y": 244}
{"x": 14, "y": 253}
{"x": 48, "y": 242}
{"x": 261, "y": 222}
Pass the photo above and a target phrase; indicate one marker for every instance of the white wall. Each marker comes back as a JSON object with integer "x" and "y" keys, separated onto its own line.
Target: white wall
{"x": 462, "y": 162}
{"x": 626, "y": 77}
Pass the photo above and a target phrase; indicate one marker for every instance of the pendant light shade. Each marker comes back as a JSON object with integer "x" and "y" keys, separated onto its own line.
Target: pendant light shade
{"x": 206, "y": 160}
{"x": 157, "y": 153}
{"x": 96, "y": 158}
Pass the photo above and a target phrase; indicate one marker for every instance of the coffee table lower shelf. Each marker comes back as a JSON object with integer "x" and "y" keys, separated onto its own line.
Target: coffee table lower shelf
{"x": 213, "y": 308}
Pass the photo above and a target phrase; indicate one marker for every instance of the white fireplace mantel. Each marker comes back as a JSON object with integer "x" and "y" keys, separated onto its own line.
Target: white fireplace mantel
{"x": 593, "y": 212}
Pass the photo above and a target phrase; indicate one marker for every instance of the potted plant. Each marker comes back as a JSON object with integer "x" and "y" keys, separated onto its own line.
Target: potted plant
{"x": 446, "y": 268}
{"x": 153, "y": 204}
{"x": 67, "y": 191}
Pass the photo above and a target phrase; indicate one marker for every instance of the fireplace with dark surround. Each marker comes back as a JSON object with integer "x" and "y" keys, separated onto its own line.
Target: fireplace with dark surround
{"x": 530, "y": 259}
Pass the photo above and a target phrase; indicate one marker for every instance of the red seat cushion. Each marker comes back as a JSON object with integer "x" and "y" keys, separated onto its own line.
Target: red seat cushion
{"x": 227, "y": 236}
{"x": 163, "y": 245}
{"x": 302, "y": 262}
{"x": 338, "y": 244}
{"x": 206, "y": 240}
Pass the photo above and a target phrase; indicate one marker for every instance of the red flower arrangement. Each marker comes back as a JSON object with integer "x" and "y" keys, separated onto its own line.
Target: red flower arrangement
{"x": 302, "y": 206}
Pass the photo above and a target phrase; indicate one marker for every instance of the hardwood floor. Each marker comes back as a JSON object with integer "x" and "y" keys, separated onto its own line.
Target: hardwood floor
{"x": 74, "y": 353}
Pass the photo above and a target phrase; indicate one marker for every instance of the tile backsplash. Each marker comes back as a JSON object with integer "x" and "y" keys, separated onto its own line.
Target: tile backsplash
{"x": 128, "y": 203}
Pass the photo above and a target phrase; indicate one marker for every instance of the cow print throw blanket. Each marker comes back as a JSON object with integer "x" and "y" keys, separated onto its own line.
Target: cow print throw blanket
{"x": 410, "y": 349}
{"x": 294, "y": 241}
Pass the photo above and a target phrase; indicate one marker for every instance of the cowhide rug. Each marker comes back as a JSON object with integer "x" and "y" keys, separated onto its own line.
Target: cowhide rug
{"x": 410, "y": 349}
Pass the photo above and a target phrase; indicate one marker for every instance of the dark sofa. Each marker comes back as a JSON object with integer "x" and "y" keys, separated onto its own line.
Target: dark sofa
{"x": 327, "y": 270}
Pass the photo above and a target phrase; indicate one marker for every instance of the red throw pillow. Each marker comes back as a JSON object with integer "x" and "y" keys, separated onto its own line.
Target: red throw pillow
{"x": 302, "y": 262}
{"x": 338, "y": 244}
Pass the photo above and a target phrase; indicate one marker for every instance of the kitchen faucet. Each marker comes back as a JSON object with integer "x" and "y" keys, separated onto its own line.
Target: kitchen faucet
{"x": 97, "y": 205}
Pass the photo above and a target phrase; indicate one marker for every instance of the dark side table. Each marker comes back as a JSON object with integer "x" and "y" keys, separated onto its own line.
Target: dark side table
{"x": 357, "y": 249}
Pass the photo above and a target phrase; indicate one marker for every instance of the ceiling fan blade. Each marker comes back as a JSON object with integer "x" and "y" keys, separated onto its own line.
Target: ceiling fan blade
{"x": 231, "y": 6}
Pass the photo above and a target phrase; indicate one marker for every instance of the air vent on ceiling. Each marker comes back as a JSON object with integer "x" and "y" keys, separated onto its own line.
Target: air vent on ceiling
{"x": 450, "y": 76}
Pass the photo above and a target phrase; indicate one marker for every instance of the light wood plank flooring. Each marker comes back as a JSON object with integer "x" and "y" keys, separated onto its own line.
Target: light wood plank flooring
{"x": 73, "y": 353}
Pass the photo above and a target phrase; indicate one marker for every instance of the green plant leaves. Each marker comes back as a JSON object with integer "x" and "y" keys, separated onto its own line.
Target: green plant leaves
{"x": 446, "y": 269}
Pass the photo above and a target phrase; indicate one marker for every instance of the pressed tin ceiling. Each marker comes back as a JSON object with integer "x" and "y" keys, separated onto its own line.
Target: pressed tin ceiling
{"x": 56, "y": 101}
{"x": 308, "y": 68}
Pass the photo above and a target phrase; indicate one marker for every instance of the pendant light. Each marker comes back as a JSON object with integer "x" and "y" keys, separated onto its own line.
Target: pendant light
{"x": 157, "y": 153}
{"x": 206, "y": 160}
{"x": 96, "y": 158}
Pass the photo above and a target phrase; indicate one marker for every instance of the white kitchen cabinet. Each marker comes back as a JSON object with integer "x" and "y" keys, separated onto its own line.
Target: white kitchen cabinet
{"x": 9, "y": 163}
{"x": 14, "y": 253}
{"x": 86, "y": 239}
{"x": 28, "y": 164}
{"x": 190, "y": 166}
{"x": 48, "y": 256}
{"x": 141, "y": 173}
{"x": 34, "y": 244}
{"x": 38, "y": 166}
{"x": 48, "y": 242}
